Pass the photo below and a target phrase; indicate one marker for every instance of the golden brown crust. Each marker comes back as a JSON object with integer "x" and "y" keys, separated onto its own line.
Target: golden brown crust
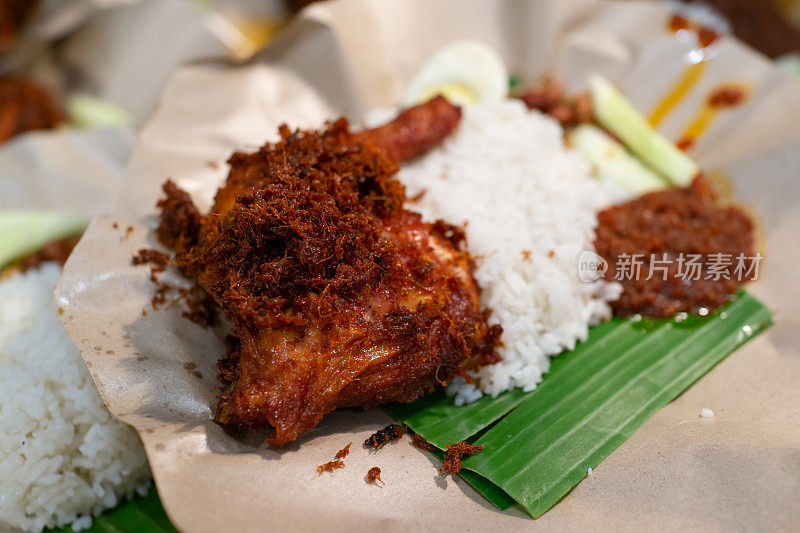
{"x": 415, "y": 131}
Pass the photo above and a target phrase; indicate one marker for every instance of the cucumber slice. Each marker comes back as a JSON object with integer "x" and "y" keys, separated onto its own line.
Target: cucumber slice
{"x": 611, "y": 162}
{"x": 619, "y": 117}
{"x": 24, "y": 232}
{"x": 86, "y": 111}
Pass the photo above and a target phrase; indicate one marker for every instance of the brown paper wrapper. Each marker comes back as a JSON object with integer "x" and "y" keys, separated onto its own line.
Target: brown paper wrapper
{"x": 738, "y": 470}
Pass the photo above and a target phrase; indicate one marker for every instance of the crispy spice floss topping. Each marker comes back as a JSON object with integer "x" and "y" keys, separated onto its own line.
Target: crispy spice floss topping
{"x": 157, "y": 261}
{"x": 385, "y": 435}
{"x": 200, "y": 307}
{"x": 337, "y": 462}
{"x": 419, "y": 442}
{"x": 374, "y": 475}
{"x": 455, "y": 453}
{"x": 330, "y": 466}
{"x": 344, "y": 452}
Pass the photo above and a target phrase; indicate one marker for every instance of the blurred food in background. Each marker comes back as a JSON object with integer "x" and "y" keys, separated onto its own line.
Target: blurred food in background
{"x": 26, "y": 106}
{"x": 296, "y": 5}
{"x": 12, "y": 16}
{"x": 244, "y": 26}
{"x": 763, "y": 24}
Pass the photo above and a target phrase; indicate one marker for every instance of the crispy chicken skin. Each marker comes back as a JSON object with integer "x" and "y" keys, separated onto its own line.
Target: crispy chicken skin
{"x": 415, "y": 131}
{"x": 339, "y": 297}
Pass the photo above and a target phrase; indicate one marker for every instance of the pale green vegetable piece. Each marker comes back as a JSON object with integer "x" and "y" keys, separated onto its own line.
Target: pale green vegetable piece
{"x": 25, "y": 232}
{"x": 619, "y": 117}
{"x": 789, "y": 64}
{"x": 87, "y": 111}
{"x": 611, "y": 162}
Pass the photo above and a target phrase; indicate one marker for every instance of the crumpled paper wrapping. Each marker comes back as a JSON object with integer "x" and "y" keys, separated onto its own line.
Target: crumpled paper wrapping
{"x": 78, "y": 172}
{"x": 125, "y": 51}
{"x": 738, "y": 470}
{"x": 48, "y": 21}
{"x": 127, "y": 55}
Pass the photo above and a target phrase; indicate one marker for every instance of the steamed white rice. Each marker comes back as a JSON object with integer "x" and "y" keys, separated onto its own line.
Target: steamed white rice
{"x": 63, "y": 456}
{"x": 529, "y": 206}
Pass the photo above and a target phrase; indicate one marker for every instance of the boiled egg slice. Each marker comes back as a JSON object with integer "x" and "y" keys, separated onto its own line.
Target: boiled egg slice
{"x": 465, "y": 72}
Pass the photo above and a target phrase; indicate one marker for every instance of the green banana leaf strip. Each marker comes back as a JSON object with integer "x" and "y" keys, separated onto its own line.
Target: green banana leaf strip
{"x": 586, "y": 407}
{"x": 442, "y": 423}
{"x": 140, "y": 514}
{"x": 490, "y": 491}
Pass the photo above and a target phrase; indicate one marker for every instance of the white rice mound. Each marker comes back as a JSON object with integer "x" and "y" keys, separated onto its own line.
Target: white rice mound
{"x": 63, "y": 456}
{"x": 530, "y": 209}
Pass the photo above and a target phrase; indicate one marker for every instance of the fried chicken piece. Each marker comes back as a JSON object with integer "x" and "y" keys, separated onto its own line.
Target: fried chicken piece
{"x": 415, "y": 131}
{"x": 339, "y": 296}
{"x": 25, "y": 106}
{"x": 180, "y": 221}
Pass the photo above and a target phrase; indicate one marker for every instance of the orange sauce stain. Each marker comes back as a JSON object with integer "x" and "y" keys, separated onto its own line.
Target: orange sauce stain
{"x": 728, "y": 95}
{"x": 691, "y": 75}
{"x": 688, "y": 79}
{"x": 724, "y": 96}
{"x": 679, "y": 22}
{"x": 684, "y": 144}
{"x": 705, "y": 36}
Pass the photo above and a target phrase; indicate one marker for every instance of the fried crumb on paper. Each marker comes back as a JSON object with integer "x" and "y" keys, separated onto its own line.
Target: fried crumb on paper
{"x": 455, "y": 453}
